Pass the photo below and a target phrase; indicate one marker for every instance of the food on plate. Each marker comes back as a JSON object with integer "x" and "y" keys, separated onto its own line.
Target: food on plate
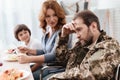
{"x": 11, "y": 74}
{"x": 11, "y": 57}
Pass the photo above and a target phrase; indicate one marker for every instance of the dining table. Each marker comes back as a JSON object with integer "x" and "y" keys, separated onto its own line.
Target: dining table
{"x": 6, "y": 65}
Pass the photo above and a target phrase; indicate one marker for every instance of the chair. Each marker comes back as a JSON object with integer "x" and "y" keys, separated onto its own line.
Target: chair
{"x": 50, "y": 66}
{"x": 117, "y": 76}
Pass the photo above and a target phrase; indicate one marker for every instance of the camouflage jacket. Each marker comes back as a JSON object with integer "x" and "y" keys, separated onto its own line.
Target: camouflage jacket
{"x": 88, "y": 63}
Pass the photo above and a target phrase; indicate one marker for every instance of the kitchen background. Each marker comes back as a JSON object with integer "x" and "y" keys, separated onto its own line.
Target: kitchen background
{"x": 13, "y": 12}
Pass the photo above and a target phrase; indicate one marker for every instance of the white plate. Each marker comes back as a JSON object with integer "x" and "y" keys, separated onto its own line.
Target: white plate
{"x": 25, "y": 74}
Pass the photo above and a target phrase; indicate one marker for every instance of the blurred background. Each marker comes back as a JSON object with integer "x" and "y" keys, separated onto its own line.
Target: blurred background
{"x": 13, "y": 12}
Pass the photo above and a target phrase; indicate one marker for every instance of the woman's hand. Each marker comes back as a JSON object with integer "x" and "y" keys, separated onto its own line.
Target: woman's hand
{"x": 27, "y": 50}
{"x": 22, "y": 58}
{"x": 23, "y": 49}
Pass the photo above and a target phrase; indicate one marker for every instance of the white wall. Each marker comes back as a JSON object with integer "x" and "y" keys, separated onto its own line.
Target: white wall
{"x": 104, "y": 4}
{"x": 107, "y": 4}
{"x": 13, "y": 12}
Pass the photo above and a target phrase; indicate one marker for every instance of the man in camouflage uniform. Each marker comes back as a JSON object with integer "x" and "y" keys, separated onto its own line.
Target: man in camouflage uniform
{"x": 94, "y": 57}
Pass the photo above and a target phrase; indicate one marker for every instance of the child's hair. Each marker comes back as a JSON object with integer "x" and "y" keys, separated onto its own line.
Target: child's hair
{"x": 19, "y": 28}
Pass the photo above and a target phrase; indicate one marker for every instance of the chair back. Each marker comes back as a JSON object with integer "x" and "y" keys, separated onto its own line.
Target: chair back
{"x": 117, "y": 76}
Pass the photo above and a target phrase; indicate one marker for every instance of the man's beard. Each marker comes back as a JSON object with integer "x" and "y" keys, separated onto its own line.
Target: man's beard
{"x": 89, "y": 39}
{"x": 88, "y": 42}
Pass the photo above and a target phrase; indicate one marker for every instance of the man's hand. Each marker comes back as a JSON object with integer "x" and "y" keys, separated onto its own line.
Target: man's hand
{"x": 67, "y": 29}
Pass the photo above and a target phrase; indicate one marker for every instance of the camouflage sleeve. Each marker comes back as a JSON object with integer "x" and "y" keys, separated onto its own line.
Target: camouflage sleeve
{"x": 62, "y": 51}
{"x": 104, "y": 61}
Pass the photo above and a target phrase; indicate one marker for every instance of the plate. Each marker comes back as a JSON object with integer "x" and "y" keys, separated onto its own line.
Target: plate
{"x": 11, "y": 58}
{"x": 25, "y": 74}
{"x": 10, "y": 74}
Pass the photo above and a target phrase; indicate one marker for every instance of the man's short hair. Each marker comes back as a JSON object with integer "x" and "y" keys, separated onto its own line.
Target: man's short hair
{"x": 88, "y": 17}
